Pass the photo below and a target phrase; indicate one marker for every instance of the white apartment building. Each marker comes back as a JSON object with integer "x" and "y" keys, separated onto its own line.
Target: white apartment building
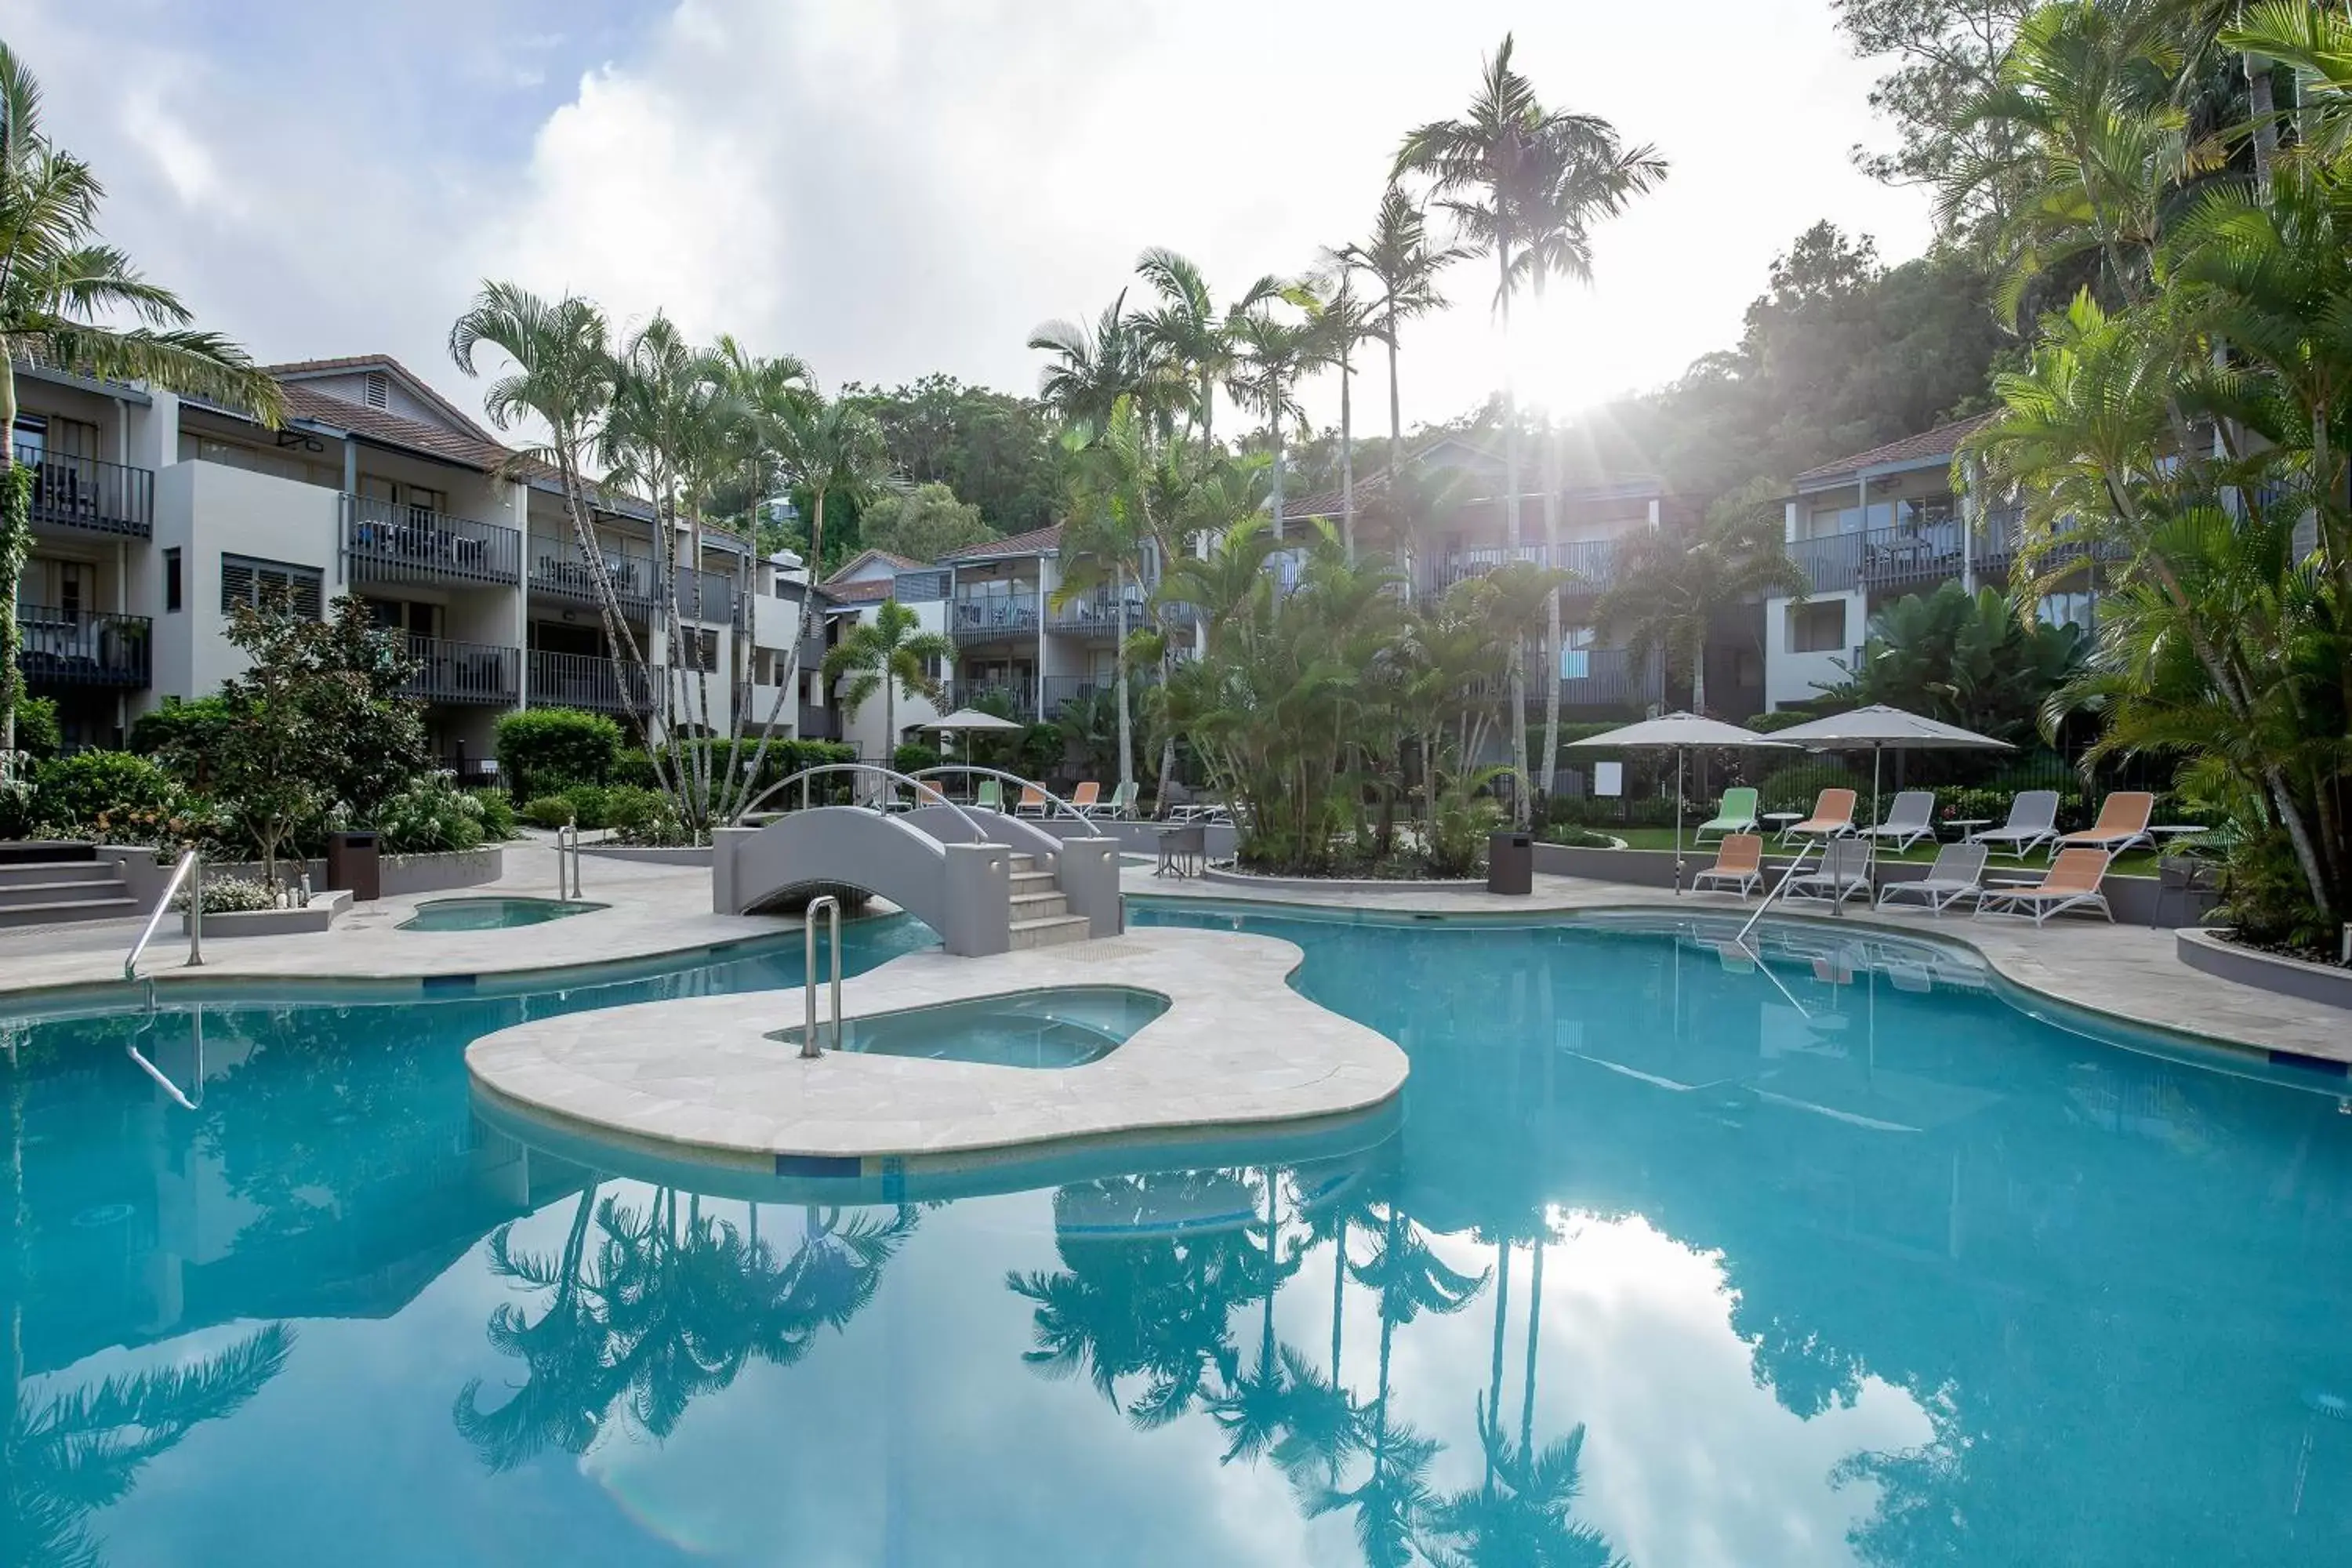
{"x": 856, "y": 594}
{"x": 155, "y": 515}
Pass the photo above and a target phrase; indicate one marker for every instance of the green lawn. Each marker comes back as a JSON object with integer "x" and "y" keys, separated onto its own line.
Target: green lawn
{"x": 2134, "y": 863}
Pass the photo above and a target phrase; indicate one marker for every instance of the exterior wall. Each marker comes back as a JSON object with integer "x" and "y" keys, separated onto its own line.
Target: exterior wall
{"x": 864, "y": 727}
{"x": 205, "y": 511}
{"x": 1791, "y": 676}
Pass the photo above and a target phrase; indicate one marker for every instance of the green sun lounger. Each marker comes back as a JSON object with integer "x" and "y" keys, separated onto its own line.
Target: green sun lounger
{"x": 1737, "y": 815}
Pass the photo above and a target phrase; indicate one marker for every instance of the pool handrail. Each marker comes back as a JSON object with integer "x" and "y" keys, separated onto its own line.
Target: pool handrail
{"x": 831, "y": 908}
{"x": 1002, "y": 776}
{"x": 190, "y": 870}
{"x": 1775, "y": 891}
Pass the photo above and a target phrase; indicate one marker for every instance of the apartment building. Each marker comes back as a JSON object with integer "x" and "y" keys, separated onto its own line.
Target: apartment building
{"x": 155, "y": 516}
{"x": 856, "y": 594}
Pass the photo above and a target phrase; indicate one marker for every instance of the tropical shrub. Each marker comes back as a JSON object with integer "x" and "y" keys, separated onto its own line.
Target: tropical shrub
{"x": 543, "y": 751}
{"x": 549, "y": 811}
{"x": 90, "y": 790}
{"x": 2265, "y": 900}
{"x": 38, "y": 735}
{"x": 1975, "y": 661}
{"x": 589, "y": 802}
{"x": 233, "y": 896}
{"x": 643, "y": 816}
{"x": 1576, "y": 837}
{"x": 911, "y": 757}
{"x": 497, "y": 814}
{"x": 429, "y": 817}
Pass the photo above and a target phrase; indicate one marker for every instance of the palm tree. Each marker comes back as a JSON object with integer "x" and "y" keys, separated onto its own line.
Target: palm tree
{"x": 1188, "y": 335}
{"x": 1340, "y": 319}
{"x": 1274, "y": 352}
{"x": 890, "y": 653}
{"x": 61, "y": 287}
{"x": 1672, "y": 585}
{"x": 1114, "y": 533}
{"x": 561, "y": 380}
{"x": 1504, "y": 171}
{"x": 1091, "y": 371}
{"x": 1523, "y": 1511}
{"x": 1399, "y": 256}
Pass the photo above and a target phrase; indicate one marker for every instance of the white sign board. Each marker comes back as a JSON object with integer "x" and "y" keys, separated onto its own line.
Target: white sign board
{"x": 1608, "y": 778}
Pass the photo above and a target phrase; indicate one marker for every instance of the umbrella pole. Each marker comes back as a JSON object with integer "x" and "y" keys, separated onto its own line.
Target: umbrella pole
{"x": 1679, "y": 754}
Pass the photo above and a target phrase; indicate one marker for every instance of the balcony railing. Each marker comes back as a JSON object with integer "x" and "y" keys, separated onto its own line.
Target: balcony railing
{"x": 1096, "y": 614}
{"x": 1061, "y": 690}
{"x": 83, "y": 648}
{"x": 560, "y": 568}
{"x": 1600, "y": 678}
{"x": 704, "y": 597}
{"x": 1018, "y": 699}
{"x": 994, "y": 617}
{"x": 389, "y": 542}
{"x": 1593, "y": 562}
{"x": 582, "y": 680}
{"x": 86, "y": 493}
{"x": 465, "y": 672}
{"x": 819, "y": 723}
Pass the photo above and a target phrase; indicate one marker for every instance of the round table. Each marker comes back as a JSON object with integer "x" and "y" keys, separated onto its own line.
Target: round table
{"x": 1782, "y": 821}
{"x": 1968, "y": 824}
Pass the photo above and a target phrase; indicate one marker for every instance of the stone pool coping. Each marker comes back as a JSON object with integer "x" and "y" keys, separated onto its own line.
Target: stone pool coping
{"x": 700, "y": 1078}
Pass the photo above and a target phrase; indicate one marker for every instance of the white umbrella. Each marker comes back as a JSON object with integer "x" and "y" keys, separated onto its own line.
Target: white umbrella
{"x": 1880, "y": 728}
{"x": 964, "y": 720}
{"x": 1679, "y": 732}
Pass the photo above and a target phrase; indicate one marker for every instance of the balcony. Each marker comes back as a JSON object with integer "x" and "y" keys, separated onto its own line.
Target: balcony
{"x": 481, "y": 674}
{"x": 90, "y": 495}
{"x": 582, "y": 680}
{"x": 387, "y": 541}
{"x": 1593, "y": 562}
{"x": 819, "y": 723}
{"x": 1015, "y": 699}
{"x": 83, "y": 648}
{"x": 1609, "y": 677}
{"x": 997, "y": 617}
{"x": 1062, "y": 690}
{"x": 1097, "y": 615}
{"x": 559, "y": 567}
{"x": 704, "y": 597}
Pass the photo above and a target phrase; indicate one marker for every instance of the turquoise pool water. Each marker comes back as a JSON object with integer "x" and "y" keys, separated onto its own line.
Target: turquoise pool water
{"x": 1673, "y": 1259}
{"x": 1065, "y": 1028}
{"x": 491, "y": 914}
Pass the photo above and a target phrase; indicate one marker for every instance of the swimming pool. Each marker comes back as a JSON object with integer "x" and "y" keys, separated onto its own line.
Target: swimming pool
{"x": 1843, "y": 1258}
{"x": 501, "y": 913}
{"x": 1066, "y": 1027}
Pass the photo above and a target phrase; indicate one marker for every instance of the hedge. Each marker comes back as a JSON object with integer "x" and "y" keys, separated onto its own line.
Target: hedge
{"x": 543, "y": 751}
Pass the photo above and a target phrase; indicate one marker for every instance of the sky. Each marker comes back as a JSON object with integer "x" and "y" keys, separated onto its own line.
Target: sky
{"x": 892, "y": 187}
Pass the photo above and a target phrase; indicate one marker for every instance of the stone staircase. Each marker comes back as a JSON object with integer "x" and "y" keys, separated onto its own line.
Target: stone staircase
{"x": 1041, "y": 915}
{"x": 50, "y": 884}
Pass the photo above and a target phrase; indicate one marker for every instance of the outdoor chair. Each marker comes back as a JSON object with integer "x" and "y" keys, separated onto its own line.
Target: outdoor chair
{"x": 1086, "y": 797}
{"x": 1843, "y": 873}
{"x": 1120, "y": 805}
{"x": 1911, "y": 818}
{"x": 2071, "y": 883}
{"x": 2033, "y": 822}
{"x": 2123, "y": 823}
{"x": 1031, "y": 802}
{"x": 1957, "y": 873}
{"x": 1832, "y": 817}
{"x": 988, "y": 796}
{"x": 1738, "y": 862}
{"x": 1736, "y": 815}
{"x": 2186, "y": 878}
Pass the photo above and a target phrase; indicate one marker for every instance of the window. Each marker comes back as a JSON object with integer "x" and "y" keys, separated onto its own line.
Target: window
{"x": 1817, "y": 628}
{"x": 706, "y": 653}
{"x": 2063, "y": 610}
{"x": 271, "y": 585}
{"x": 171, "y": 581}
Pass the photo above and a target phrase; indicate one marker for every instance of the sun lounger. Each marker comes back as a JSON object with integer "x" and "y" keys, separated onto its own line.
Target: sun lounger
{"x": 988, "y": 796}
{"x": 1832, "y": 817}
{"x": 1031, "y": 803}
{"x": 1738, "y": 861}
{"x": 1957, "y": 873}
{"x": 1119, "y": 807}
{"x": 2033, "y": 822}
{"x": 2071, "y": 883}
{"x": 1086, "y": 797}
{"x": 1737, "y": 815}
{"x": 2123, "y": 823}
{"x": 1911, "y": 818}
{"x": 1844, "y": 872}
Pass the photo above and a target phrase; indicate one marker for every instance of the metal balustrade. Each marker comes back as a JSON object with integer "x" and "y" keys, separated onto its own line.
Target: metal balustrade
{"x": 464, "y": 672}
{"x": 559, "y": 567}
{"x": 993, "y": 616}
{"x": 89, "y": 493}
{"x": 83, "y": 648}
{"x": 583, "y": 680}
{"x": 704, "y": 597}
{"x": 391, "y": 541}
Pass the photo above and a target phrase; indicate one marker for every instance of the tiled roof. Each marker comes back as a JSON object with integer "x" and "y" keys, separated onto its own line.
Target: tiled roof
{"x": 864, "y": 556}
{"x": 872, "y": 593}
{"x": 393, "y": 429}
{"x": 1036, "y": 542}
{"x": 409, "y": 379}
{"x": 1940, "y": 442}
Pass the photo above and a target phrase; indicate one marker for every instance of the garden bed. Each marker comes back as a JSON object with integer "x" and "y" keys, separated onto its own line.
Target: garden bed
{"x": 315, "y": 916}
{"x": 650, "y": 854}
{"x": 2215, "y": 953}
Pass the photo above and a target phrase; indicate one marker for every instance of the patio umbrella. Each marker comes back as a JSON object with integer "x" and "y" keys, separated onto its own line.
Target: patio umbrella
{"x": 1879, "y": 729}
{"x": 965, "y": 720}
{"x": 1678, "y": 732}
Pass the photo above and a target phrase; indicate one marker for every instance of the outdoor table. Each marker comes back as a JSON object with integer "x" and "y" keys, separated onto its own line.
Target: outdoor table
{"x": 1966, "y": 826}
{"x": 1181, "y": 850}
{"x": 1783, "y": 821}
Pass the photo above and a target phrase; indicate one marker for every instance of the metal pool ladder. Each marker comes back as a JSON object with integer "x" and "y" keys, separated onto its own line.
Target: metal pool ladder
{"x": 190, "y": 871}
{"x": 831, "y": 908}
{"x": 567, "y": 846}
{"x": 1786, "y": 876}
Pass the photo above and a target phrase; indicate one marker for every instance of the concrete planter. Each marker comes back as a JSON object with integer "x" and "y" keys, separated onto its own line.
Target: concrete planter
{"x": 317, "y": 915}
{"x": 2212, "y": 953}
{"x": 651, "y": 855}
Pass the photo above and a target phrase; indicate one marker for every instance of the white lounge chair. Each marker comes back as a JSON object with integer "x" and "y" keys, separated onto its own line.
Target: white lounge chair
{"x": 2071, "y": 883}
{"x": 1957, "y": 873}
{"x": 1843, "y": 873}
{"x": 2033, "y": 822}
{"x": 1911, "y": 818}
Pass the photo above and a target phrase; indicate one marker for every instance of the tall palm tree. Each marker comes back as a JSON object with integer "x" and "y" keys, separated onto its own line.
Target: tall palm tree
{"x": 1672, "y": 584}
{"x": 60, "y": 288}
{"x": 1340, "y": 319}
{"x": 1114, "y": 532}
{"x": 1092, "y": 370}
{"x": 1399, "y": 257}
{"x": 1274, "y": 352}
{"x": 560, "y": 380}
{"x": 1188, "y": 335}
{"x": 1501, "y": 171}
{"x": 890, "y": 653}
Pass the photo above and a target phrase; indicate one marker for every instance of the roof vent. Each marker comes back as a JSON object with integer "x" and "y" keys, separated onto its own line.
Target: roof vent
{"x": 379, "y": 389}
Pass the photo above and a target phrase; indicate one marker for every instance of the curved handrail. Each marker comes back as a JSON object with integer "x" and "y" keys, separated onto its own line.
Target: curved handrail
{"x": 893, "y": 776}
{"x": 188, "y": 862}
{"x": 1003, "y": 777}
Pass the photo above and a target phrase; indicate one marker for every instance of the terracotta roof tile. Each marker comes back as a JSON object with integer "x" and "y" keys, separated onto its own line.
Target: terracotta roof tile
{"x": 393, "y": 429}
{"x": 1940, "y": 442}
{"x": 1036, "y": 542}
{"x": 900, "y": 561}
{"x": 408, "y": 378}
{"x": 872, "y": 593}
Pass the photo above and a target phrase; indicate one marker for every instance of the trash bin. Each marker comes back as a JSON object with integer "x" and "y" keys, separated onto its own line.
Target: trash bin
{"x": 352, "y": 861}
{"x": 1511, "y": 863}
